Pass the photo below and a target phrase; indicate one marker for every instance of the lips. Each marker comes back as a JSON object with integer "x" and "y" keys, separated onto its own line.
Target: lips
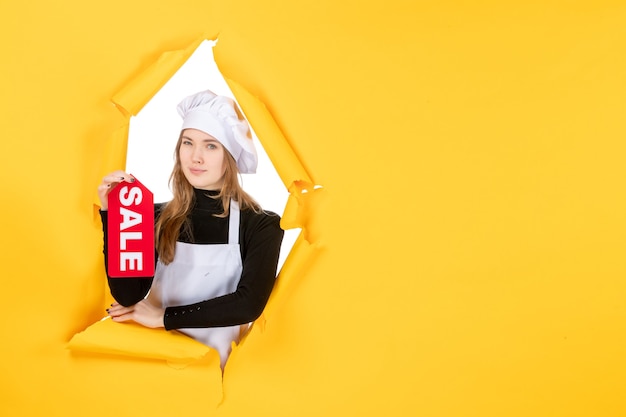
{"x": 197, "y": 171}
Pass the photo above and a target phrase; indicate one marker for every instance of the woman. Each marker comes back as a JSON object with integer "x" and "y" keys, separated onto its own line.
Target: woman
{"x": 216, "y": 250}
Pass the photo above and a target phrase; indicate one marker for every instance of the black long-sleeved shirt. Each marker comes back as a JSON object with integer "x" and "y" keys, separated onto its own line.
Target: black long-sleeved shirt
{"x": 260, "y": 237}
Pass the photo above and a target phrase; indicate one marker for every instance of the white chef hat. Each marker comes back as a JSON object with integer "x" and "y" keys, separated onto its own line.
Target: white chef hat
{"x": 218, "y": 116}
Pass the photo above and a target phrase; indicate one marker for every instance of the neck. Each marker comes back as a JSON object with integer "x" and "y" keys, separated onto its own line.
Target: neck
{"x": 207, "y": 199}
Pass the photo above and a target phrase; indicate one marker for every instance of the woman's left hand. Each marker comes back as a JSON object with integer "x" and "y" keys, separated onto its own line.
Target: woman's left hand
{"x": 143, "y": 313}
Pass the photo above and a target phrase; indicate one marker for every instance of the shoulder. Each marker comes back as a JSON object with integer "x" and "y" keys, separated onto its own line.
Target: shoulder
{"x": 260, "y": 216}
{"x": 262, "y": 220}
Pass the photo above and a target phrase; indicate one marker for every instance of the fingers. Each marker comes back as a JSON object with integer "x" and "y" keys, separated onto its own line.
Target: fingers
{"x": 120, "y": 313}
{"x": 123, "y": 318}
{"x": 108, "y": 183}
{"x": 118, "y": 310}
{"x": 143, "y": 313}
{"x": 116, "y": 177}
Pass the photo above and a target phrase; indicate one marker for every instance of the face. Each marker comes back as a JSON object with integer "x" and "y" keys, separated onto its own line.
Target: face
{"x": 202, "y": 160}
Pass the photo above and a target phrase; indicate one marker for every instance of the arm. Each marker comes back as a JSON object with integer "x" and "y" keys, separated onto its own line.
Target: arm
{"x": 262, "y": 237}
{"x": 126, "y": 291}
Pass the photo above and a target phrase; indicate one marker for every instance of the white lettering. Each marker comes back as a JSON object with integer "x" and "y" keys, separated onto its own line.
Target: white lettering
{"x": 126, "y": 236}
{"x": 129, "y": 218}
{"x": 134, "y": 259}
{"x": 126, "y": 197}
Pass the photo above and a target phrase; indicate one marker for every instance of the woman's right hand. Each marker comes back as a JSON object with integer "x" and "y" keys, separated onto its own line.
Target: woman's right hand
{"x": 108, "y": 183}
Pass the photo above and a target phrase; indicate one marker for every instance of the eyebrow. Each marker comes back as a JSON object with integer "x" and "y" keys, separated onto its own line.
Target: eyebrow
{"x": 202, "y": 140}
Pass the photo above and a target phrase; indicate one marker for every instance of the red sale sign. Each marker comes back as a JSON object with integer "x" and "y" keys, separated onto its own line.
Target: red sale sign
{"x": 130, "y": 231}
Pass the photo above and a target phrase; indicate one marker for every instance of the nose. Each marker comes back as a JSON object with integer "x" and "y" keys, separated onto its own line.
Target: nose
{"x": 196, "y": 155}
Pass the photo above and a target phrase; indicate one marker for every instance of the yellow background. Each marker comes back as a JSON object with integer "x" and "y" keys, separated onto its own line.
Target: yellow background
{"x": 471, "y": 223}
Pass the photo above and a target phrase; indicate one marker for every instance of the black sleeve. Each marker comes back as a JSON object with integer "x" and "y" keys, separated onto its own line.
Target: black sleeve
{"x": 126, "y": 291}
{"x": 262, "y": 238}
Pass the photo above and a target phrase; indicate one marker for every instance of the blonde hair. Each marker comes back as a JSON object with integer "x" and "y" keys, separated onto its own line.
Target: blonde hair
{"x": 174, "y": 215}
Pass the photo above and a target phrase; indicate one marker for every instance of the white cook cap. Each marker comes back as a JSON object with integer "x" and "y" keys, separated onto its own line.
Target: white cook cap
{"x": 217, "y": 116}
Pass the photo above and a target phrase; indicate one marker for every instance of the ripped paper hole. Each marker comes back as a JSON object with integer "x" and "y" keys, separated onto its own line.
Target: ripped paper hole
{"x": 160, "y": 81}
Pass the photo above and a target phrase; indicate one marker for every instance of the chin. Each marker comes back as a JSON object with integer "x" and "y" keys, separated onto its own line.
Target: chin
{"x": 202, "y": 183}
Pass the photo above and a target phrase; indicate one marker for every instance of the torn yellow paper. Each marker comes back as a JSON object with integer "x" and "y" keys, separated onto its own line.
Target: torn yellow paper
{"x": 283, "y": 157}
{"x": 114, "y": 151}
{"x": 130, "y": 339}
{"x": 301, "y": 256}
{"x": 289, "y": 168}
{"x": 472, "y": 155}
{"x": 140, "y": 90}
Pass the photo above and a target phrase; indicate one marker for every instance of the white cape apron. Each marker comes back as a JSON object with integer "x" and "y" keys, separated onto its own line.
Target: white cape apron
{"x": 202, "y": 272}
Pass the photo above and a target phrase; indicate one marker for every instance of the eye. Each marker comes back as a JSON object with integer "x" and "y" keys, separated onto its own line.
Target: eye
{"x": 186, "y": 142}
{"x": 212, "y": 146}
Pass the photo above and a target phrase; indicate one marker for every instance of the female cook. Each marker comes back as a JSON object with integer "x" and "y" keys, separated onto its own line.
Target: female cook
{"x": 217, "y": 250}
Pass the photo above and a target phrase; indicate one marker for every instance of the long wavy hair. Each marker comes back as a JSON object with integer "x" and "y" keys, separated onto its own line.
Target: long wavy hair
{"x": 174, "y": 215}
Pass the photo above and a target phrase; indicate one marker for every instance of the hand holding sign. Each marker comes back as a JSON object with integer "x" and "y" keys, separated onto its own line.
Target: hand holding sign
{"x": 130, "y": 227}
